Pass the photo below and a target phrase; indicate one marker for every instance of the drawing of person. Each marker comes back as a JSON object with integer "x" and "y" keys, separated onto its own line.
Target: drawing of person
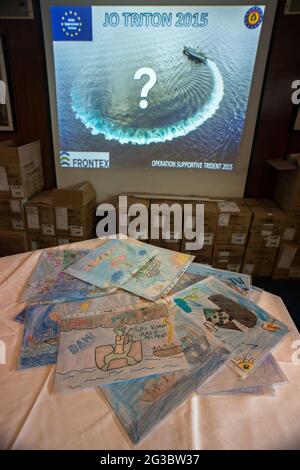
{"x": 119, "y": 340}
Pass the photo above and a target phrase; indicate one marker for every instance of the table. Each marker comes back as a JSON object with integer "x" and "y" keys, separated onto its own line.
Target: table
{"x": 32, "y": 417}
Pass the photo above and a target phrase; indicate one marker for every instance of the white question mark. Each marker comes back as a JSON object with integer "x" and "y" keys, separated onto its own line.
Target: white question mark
{"x": 147, "y": 87}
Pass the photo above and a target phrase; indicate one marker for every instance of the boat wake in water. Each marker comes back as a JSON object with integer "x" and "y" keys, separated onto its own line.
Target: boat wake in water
{"x": 92, "y": 116}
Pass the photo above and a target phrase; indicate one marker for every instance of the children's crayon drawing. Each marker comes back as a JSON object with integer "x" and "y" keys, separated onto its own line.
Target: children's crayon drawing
{"x": 112, "y": 264}
{"x": 197, "y": 272}
{"x": 245, "y": 328}
{"x": 237, "y": 281}
{"x": 263, "y": 390}
{"x": 226, "y": 380}
{"x": 117, "y": 345}
{"x": 159, "y": 274}
{"x": 41, "y": 329}
{"x": 40, "y": 338}
{"x": 142, "y": 404}
{"x": 49, "y": 284}
{"x": 20, "y": 318}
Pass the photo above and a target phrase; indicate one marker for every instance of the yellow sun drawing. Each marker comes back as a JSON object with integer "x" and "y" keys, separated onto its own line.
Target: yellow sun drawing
{"x": 245, "y": 363}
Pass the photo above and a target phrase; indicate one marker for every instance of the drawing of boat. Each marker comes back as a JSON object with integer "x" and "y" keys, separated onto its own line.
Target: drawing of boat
{"x": 195, "y": 54}
{"x": 270, "y": 326}
{"x": 155, "y": 388}
{"x": 166, "y": 351}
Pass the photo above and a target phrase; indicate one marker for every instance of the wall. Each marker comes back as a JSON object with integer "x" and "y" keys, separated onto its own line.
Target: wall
{"x": 23, "y": 41}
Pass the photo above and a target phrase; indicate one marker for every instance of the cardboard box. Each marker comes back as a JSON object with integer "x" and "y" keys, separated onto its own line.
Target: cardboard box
{"x": 263, "y": 202}
{"x": 12, "y": 242}
{"x": 75, "y": 211}
{"x": 160, "y": 220}
{"x": 38, "y": 241}
{"x": 267, "y": 227}
{"x": 112, "y": 213}
{"x": 287, "y": 193}
{"x": 39, "y": 213}
{"x": 234, "y": 220}
{"x": 287, "y": 264}
{"x": 203, "y": 256}
{"x": 21, "y": 173}
{"x": 291, "y": 233}
{"x": 12, "y": 214}
{"x": 132, "y": 215}
{"x": 259, "y": 261}
{"x": 172, "y": 244}
{"x": 67, "y": 240}
{"x": 228, "y": 257}
{"x": 210, "y": 220}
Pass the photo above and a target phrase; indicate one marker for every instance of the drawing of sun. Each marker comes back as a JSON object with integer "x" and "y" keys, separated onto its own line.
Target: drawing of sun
{"x": 245, "y": 363}
{"x": 84, "y": 305}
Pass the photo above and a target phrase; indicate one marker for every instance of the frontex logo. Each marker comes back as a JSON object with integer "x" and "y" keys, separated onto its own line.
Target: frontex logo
{"x": 64, "y": 158}
{"x": 84, "y": 159}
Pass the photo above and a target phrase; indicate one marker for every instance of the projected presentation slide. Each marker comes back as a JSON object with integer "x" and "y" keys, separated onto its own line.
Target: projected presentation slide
{"x": 153, "y": 87}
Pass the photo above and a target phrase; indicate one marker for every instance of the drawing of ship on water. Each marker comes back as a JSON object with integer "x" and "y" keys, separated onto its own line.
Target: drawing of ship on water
{"x": 155, "y": 388}
{"x": 167, "y": 350}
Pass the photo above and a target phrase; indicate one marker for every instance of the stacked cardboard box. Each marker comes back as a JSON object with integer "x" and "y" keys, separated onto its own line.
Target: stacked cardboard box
{"x": 158, "y": 223}
{"x": 130, "y": 213}
{"x": 259, "y": 261}
{"x": 40, "y": 221}
{"x": 75, "y": 212}
{"x": 287, "y": 195}
{"x": 267, "y": 227}
{"x": 233, "y": 222}
{"x": 204, "y": 255}
{"x": 12, "y": 214}
{"x": 21, "y": 173}
{"x": 12, "y": 242}
{"x": 228, "y": 257}
{"x": 21, "y": 176}
{"x": 287, "y": 264}
{"x": 234, "y": 218}
{"x": 291, "y": 233}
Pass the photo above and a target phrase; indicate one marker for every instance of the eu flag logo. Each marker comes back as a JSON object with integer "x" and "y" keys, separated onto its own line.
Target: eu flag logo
{"x": 71, "y": 23}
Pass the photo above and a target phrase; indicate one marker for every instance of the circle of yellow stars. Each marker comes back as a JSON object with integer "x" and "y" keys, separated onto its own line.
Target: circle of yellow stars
{"x": 71, "y": 13}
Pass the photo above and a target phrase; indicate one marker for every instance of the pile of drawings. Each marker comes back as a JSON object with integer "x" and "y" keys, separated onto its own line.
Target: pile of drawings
{"x": 147, "y": 327}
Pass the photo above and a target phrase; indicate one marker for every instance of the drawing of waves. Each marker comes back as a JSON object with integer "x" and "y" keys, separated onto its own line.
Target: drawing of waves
{"x": 203, "y": 89}
{"x": 92, "y": 376}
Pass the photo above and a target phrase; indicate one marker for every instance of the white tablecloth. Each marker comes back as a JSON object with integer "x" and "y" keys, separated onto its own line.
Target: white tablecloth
{"x": 32, "y": 417}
